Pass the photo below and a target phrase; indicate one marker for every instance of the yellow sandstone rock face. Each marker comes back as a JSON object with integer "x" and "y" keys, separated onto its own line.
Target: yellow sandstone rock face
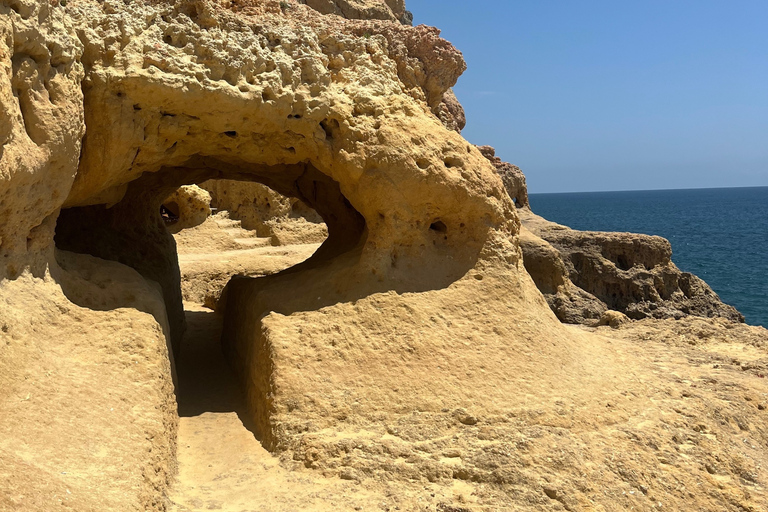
{"x": 190, "y": 205}
{"x": 412, "y": 352}
{"x": 284, "y": 220}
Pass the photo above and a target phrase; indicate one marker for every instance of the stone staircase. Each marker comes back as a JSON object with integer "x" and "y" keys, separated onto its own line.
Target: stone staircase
{"x": 244, "y": 238}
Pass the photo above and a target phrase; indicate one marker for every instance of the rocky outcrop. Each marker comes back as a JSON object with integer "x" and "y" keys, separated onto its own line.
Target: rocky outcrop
{"x": 583, "y": 274}
{"x": 549, "y": 271}
{"x": 511, "y": 175}
{"x": 451, "y": 113}
{"x": 284, "y": 220}
{"x": 626, "y": 272}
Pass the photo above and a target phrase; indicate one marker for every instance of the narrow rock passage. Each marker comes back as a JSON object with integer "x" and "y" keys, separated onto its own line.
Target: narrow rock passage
{"x": 221, "y": 464}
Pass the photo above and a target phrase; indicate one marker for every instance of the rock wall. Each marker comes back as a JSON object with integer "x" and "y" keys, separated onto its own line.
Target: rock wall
{"x": 109, "y": 107}
{"x": 413, "y": 346}
{"x": 284, "y": 220}
{"x": 85, "y": 373}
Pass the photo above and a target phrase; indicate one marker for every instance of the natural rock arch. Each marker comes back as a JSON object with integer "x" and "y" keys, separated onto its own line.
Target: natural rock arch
{"x": 410, "y": 205}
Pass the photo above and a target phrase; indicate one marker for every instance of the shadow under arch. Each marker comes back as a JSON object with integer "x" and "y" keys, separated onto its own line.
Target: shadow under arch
{"x": 132, "y": 231}
{"x": 347, "y": 267}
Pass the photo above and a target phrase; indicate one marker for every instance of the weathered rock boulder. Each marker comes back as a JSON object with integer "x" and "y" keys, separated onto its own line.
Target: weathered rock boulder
{"x": 187, "y": 206}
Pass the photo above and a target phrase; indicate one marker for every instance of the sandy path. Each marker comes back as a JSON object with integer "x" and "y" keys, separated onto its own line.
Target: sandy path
{"x": 221, "y": 465}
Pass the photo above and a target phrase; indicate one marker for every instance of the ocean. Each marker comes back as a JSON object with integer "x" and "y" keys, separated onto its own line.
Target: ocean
{"x": 719, "y": 234}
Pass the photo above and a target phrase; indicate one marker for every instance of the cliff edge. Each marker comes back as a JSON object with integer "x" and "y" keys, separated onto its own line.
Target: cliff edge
{"x": 410, "y": 362}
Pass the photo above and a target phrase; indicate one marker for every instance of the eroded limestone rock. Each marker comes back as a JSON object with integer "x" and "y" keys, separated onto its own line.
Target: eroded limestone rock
{"x": 188, "y": 207}
{"x": 628, "y": 272}
{"x": 337, "y": 113}
{"x": 412, "y": 349}
{"x": 391, "y": 10}
{"x": 284, "y": 220}
{"x": 511, "y": 175}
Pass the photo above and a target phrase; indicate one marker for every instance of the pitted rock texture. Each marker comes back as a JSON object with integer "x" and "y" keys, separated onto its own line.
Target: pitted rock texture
{"x": 451, "y": 113}
{"x": 511, "y": 175}
{"x": 390, "y": 10}
{"x": 284, "y": 220}
{"x": 189, "y": 206}
{"x": 41, "y": 127}
{"x": 626, "y": 272}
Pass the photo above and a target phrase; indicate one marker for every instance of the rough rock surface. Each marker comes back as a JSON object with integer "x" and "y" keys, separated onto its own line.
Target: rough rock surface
{"x": 511, "y": 175}
{"x": 284, "y": 220}
{"x": 451, "y": 113}
{"x": 313, "y": 106}
{"x": 626, "y": 272}
{"x": 411, "y": 354}
{"x": 391, "y": 10}
{"x": 190, "y": 205}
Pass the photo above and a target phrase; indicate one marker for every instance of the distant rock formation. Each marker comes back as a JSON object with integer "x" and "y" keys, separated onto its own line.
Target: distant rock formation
{"x": 584, "y": 273}
{"x": 511, "y": 175}
{"x": 284, "y": 220}
{"x": 626, "y": 272}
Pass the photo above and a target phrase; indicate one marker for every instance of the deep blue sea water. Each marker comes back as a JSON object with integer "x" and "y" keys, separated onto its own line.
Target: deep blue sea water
{"x": 721, "y": 235}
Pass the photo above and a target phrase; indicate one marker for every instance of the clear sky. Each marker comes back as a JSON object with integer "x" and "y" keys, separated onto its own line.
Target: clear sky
{"x": 614, "y": 94}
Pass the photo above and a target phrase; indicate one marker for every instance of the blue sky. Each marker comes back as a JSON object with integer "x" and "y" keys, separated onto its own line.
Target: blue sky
{"x": 614, "y": 95}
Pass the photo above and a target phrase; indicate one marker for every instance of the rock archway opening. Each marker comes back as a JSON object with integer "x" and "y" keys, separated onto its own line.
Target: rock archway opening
{"x": 188, "y": 230}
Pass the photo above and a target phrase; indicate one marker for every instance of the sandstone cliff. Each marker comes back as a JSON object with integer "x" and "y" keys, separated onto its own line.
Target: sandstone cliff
{"x": 409, "y": 362}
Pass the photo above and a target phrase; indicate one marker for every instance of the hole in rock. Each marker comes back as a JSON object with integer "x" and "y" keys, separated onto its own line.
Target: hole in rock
{"x": 231, "y": 133}
{"x": 451, "y": 162}
{"x": 439, "y": 226}
{"x": 185, "y": 243}
{"x": 622, "y": 262}
{"x": 330, "y": 127}
{"x": 169, "y": 211}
